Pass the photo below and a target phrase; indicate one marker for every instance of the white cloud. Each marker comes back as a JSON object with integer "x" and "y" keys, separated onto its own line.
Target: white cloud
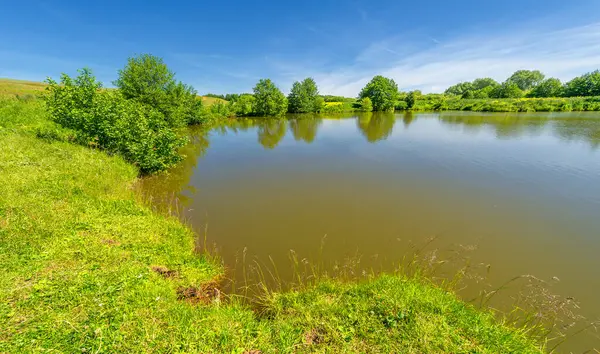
{"x": 562, "y": 53}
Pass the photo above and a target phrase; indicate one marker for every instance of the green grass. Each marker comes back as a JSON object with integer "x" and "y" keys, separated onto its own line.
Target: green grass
{"x": 209, "y": 101}
{"x": 389, "y": 314}
{"x": 87, "y": 267}
{"x": 14, "y": 88}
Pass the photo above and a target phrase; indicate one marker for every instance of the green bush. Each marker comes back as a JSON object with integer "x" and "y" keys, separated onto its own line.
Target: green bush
{"x": 401, "y": 105}
{"x": 242, "y": 105}
{"x": 365, "y": 104}
{"x": 107, "y": 120}
{"x": 333, "y": 107}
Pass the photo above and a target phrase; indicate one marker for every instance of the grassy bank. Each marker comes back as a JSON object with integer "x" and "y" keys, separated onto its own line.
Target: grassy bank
{"x": 87, "y": 267}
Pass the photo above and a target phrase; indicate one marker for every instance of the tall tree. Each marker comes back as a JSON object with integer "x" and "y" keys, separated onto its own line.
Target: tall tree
{"x": 383, "y": 93}
{"x": 304, "y": 97}
{"x": 148, "y": 80}
{"x": 268, "y": 99}
{"x": 412, "y": 98}
{"x": 526, "y": 79}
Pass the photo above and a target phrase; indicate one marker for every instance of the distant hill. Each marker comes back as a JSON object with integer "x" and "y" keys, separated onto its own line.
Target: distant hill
{"x": 12, "y": 87}
{"x": 212, "y": 100}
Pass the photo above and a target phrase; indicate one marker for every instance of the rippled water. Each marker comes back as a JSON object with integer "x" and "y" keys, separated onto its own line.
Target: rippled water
{"x": 523, "y": 188}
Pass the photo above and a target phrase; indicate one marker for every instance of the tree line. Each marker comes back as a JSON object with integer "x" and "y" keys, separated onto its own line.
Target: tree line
{"x": 528, "y": 83}
{"x": 382, "y": 94}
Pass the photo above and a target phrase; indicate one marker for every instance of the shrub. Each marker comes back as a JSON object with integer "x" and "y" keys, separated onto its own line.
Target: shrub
{"x": 401, "y": 105}
{"x": 107, "y": 120}
{"x": 242, "y": 105}
{"x": 366, "y": 105}
{"x": 333, "y": 107}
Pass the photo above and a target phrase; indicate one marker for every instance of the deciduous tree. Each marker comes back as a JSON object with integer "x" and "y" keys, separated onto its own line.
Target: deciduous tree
{"x": 304, "y": 97}
{"x": 526, "y": 79}
{"x": 268, "y": 99}
{"x": 383, "y": 93}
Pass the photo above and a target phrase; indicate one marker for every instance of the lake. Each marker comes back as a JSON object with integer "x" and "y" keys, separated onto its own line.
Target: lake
{"x": 515, "y": 193}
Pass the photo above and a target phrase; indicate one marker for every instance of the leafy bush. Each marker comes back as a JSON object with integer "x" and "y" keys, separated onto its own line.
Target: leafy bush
{"x": 242, "y": 105}
{"x": 333, "y": 107}
{"x": 107, "y": 120}
{"x": 401, "y": 105}
{"x": 366, "y": 105}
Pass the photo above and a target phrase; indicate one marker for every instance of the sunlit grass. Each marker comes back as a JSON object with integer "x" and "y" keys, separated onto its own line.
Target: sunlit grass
{"x": 13, "y": 88}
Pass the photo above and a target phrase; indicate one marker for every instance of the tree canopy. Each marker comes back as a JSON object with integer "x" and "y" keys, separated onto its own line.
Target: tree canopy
{"x": 548, "y": 88}
{"x": 304, "y": 97}
{"x": 268, "y": 99}
{"x": 479, "y": 88}
{"x": 383, "y": 93}
{"x": 584, "y": 85}
{"x": 482, "y": 83}
{"x": 507, "y": 90}
{"x": 459, "y": 89}
{"x": 148, "y": 80}
{"x": 526, "y": 79}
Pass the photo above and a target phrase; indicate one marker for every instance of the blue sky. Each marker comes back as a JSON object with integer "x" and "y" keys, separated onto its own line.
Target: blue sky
{"x": 227, "y": 46}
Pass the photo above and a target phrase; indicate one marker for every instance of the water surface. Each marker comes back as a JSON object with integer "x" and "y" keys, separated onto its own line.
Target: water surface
{"x": 523, "y": 188}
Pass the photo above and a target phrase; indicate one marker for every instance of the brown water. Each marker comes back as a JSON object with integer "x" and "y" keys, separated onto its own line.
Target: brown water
{"x": 523, "y": 188}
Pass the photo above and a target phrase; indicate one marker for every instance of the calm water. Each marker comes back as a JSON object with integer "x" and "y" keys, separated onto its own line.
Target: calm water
{"x": 523, "y": 188}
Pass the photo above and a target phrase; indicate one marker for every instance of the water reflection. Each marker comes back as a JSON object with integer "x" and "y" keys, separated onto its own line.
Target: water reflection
{"x": 305, "y": 128}
{"x": 376, "y": 126}
{"x": 408, "y": 119}
{"x": 578, "y": 126}
{"x": 271, "y": 132}
{"x": 172, "y": 190}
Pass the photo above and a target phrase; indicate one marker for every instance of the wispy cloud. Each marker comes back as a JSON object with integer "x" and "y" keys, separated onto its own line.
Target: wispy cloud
{"x": 434, "y": 66}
